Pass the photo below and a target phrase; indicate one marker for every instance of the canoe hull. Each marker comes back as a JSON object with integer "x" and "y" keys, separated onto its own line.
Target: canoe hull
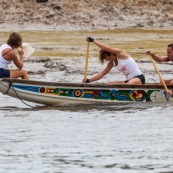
{"x": 52, "y": 93}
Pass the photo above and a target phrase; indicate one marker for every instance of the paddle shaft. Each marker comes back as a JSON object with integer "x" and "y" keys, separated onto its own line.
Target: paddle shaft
{"x": 86, "y": 62}
{"x": 170, "y": 99}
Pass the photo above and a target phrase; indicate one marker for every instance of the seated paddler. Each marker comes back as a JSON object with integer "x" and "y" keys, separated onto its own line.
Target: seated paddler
{"x": 8, "y": 56}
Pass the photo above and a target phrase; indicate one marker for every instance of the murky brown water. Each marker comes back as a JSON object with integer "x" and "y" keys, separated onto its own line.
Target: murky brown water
{"x": 133, "y": 138}
{"x": 73, "y": 44}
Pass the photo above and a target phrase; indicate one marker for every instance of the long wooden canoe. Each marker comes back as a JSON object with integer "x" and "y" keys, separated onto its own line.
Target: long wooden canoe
{"x": 54, "y": 93}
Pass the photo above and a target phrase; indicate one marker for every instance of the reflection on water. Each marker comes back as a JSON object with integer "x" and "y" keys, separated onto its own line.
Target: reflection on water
{"x": 125, "y": 107}
{"x": 135, "y": 137}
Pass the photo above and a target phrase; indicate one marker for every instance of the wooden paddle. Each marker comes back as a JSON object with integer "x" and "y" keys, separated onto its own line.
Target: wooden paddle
{"x": 170, "y": 99}
{"x": 86, "y": 62}
{"x": 27, "y": 49}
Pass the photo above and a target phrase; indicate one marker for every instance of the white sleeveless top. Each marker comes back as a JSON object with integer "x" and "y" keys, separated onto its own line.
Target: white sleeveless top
{"x": 3, "y": 62}
{"x": 128, "y": 67}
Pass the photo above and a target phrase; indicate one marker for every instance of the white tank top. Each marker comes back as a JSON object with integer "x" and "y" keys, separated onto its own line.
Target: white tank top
{"x": 3, "y": 62}
{"x": 128, "y": 67}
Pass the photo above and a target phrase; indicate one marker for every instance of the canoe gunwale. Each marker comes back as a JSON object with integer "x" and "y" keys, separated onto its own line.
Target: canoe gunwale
{"x": 86, "y": 85}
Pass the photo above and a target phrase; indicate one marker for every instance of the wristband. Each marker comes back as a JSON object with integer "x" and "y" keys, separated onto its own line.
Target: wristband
{"x": 87, "y": 81}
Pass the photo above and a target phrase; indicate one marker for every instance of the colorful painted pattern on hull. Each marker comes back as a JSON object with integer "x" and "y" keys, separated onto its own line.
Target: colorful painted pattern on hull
{"x": 99, "y": 94}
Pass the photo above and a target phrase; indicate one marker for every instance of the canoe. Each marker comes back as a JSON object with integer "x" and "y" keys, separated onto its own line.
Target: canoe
{"x": 54, "y": 93}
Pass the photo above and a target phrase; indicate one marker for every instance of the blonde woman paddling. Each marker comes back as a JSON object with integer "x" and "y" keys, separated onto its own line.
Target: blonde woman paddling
{"x": 121, "y": 60}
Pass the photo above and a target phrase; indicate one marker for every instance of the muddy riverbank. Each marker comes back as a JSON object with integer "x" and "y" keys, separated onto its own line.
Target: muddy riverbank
{"x": 85, "y": 14}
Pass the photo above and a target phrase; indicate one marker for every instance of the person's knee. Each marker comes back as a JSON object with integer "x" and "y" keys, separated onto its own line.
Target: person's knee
{"x": 24, "y": 72}
{"x": 131, "y": 82}
{"x": 160, "y": 82}
{"x": 167, "y": 82}
{"x": 171, "y": 83}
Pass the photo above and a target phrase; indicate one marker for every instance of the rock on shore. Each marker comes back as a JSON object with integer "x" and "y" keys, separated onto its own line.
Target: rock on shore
{"x": 87, "y": 14}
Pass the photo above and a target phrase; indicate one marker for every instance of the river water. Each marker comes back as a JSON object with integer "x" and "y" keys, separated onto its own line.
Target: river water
{"x": 135, "y": 137}
{"x": 114, "y": 138}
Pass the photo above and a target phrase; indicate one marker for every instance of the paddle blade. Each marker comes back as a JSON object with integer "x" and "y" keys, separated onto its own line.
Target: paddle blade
{"x": 28, "y": 50}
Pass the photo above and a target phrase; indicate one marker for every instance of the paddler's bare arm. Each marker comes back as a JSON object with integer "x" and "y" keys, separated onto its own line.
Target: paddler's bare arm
{"x": 101, "y": 74}
{"x": 119, "y": 52}
{"x": 156, "y": 57}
